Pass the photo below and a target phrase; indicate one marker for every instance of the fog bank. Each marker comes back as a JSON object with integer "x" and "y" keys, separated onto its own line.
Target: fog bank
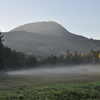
{"x": 57, "y": 70}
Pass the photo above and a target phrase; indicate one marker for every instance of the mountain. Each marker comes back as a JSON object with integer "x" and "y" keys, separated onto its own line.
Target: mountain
{"x": 42, "y": 28}
{"x": 47, "y": 38}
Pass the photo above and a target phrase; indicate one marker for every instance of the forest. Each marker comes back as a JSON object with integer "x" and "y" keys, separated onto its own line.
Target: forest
{"x": 12, "y": 60}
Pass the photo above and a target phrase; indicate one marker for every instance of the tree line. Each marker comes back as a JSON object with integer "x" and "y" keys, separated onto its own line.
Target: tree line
{"x": 11, "y": 59}
{"x": 75, "y": 58}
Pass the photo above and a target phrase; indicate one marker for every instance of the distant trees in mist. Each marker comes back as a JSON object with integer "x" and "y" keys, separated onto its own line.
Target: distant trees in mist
{"x": 93, "y": 57}
{"x": 18, "y": 60}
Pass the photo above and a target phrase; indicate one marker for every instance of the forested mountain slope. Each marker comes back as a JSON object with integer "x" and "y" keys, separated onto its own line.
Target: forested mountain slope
{"x": 47, "y": 38}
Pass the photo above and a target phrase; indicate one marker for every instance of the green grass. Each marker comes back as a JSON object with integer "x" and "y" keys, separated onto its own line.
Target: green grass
{"x": 90, "y": 91}
{"x": 51, "y": 87}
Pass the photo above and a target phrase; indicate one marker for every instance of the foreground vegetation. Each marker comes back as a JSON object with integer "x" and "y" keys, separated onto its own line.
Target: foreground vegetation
{"x": 90, "y": 91}
{"x": 76, "y": 86}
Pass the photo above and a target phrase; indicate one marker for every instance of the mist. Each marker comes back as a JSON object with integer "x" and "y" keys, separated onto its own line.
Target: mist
{"x": 58, "y": 70}
{"x": 59, "y": 74}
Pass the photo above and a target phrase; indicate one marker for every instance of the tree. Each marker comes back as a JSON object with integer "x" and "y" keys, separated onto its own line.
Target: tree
{"x": 61, "y": 60}
{"x": 1, "y": 53}
{"x": 53, "y": 60}
{"x": 68, "y": 57}
{"x": 93, "y": 56}
{"x": 31, "y": 62}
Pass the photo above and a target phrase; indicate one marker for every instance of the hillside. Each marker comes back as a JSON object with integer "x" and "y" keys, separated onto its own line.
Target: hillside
{"x": 47, "y": 38}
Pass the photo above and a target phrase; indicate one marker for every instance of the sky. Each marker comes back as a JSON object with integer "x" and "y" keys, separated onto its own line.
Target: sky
{"x": 81, "y": 17}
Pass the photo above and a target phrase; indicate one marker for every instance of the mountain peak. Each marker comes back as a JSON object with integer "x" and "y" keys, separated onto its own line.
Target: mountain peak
{"x": 45, "y": 27}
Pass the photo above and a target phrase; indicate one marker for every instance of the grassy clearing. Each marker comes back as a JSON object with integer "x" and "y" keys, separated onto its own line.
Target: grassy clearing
{"x": 76, "y": 86}
{"x": 90, "y": 91}
{"x": 49, "y": 79}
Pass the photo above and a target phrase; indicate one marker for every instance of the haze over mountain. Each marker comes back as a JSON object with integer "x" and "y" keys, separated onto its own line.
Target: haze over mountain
{"x": 47, "y": 38}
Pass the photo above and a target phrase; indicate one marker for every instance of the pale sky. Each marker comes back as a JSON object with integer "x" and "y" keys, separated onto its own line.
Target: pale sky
{"x": 81, "y": 17}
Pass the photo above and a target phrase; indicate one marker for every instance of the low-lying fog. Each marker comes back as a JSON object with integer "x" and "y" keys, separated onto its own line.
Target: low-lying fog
{"x": 60, "y": 69}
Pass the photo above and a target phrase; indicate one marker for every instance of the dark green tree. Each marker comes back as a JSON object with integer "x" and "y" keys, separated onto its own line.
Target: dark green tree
{"x": 68, "y": 57}
{"x": 1, "y": 53}
{"x": 61, "y": 60}
{"x": 54, "y": 60}
{"x": 13, "y": 59}
{"x": 31, "y": 62}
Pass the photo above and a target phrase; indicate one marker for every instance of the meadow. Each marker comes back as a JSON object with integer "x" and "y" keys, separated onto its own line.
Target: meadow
{"x": 51, "y": 86}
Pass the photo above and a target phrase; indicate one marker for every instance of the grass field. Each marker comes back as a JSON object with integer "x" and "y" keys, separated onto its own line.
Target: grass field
{"x": 51, "y": 86}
